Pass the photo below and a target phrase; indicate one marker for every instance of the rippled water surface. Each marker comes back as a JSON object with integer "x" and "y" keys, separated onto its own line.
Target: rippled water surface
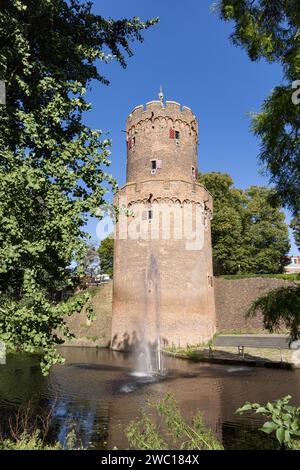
{"x": 96, "y": 393}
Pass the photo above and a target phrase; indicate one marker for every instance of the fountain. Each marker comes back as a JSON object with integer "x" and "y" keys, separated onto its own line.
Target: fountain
{"x": 144, "y": 367}
{"x": 150, "y": 358}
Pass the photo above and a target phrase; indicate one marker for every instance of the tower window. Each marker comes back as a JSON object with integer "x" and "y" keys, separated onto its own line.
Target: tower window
{"x": 130, "y": 143}
{"x": 153, "y": 164}
{"x": 177, "y": 135}
{"x": 193, "y": 172}
{"x": 147, "y": 215}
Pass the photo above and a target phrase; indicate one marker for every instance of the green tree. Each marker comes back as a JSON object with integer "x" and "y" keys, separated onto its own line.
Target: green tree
{"x": 271, "y": 30}
{"x": 90, "y": 261}
{"x": 106, "y": 253}
{"x": 52, "y": 165}
{"x": 229, "y": 253}
{"x": 266, "y": 233}
{"x": 280, "y": 308}
{"x": 249, "y": 233}
{"x": 227, "y": 225}
{"x": 295, "y": 226}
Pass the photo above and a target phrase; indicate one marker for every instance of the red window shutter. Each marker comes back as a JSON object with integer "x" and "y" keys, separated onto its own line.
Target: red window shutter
{"x": 172, "y": 134}
{"x": 196, "y": 173}
{"x": 144, "y": 215}
{"x": 159, "y": 164}
{"x": 129, "y": 144}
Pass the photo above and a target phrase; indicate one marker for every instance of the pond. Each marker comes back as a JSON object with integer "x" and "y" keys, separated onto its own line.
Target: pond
{"x": 96, "y": 394}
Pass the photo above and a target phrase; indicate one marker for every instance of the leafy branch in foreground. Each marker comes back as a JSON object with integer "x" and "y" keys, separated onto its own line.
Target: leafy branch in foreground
{"x": 53, "y": 167}
{"x": 173, "y": 432}
{"x": 35, "y": 322}
{"x": 280, "y": 307}
{"x": 271, "y": 30}
{"x": 284, "y": 420}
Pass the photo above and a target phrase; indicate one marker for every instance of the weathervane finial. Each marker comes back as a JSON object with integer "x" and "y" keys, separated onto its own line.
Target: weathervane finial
{"x": 161, "y": 94}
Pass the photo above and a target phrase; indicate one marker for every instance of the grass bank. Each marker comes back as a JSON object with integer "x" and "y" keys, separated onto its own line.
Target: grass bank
{"x": 285, "y": 277}
{"x": 95, "y": 333}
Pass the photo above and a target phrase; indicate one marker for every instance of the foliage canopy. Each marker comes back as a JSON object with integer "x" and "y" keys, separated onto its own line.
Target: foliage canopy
{"x": 106, "y": 253}
{"x": 249, "y": 233}
{"x": 52, "y": 165}
{"x": 284, "y": 421}
{"x": 271, "y": 30}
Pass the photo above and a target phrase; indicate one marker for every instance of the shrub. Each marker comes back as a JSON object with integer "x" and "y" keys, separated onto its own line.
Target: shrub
{"x": 173, "y": 433}
{"x": 29, "y": 430}
{"x": 284, "y": 421}
{"x": 280, "y": 307}
{"x": 28, "y": 442}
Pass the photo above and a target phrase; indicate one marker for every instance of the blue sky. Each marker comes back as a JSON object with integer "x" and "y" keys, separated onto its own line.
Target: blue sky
{"x": 190, "y": 54}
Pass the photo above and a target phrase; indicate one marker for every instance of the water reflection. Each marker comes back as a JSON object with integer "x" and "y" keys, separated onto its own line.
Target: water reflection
{"x": 96, "y": 394}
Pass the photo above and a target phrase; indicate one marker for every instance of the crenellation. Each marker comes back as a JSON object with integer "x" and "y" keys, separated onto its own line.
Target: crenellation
{"x": 173, "y": 106}
{"x": 166, "y": 135}
{"x": 154, "y": 106}
{"x": 171, "y": 110}
{"x": 136, "y": 114}
{"x": 188, "y": 114}
{"x": 140, "y": 107}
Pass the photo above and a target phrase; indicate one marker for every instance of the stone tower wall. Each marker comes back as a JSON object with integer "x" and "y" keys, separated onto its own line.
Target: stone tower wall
{"x": 163, "y": 283}
{"x": 151, "y": 136}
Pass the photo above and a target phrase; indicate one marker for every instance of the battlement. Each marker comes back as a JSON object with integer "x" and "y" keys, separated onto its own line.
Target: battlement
{"x": 171, "y": 109}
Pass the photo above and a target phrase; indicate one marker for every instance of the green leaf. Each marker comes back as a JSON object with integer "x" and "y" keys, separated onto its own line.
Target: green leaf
{"x": 269, "y": 427}
{"x": 280, "y": 435}
{"x": 270, "y": 407}
{"x": 295, "y": 425}
{"x": 244, "y": 408}
{"x": 261, "y": 409}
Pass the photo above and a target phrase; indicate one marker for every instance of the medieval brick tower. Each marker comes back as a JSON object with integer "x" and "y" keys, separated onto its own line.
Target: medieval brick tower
{"x": 163, "y": 277}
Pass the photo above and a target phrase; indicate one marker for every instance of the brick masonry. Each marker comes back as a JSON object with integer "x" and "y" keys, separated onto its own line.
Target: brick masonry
{"x": 233, "y": 299}
{"x": 161, "y": 289}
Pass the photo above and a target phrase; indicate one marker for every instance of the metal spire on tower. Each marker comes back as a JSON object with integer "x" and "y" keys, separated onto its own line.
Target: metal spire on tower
{"x": 161, "y": 94}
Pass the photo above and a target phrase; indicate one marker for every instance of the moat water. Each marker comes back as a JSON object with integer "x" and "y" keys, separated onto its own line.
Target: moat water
{"x": 96, "y": 393}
